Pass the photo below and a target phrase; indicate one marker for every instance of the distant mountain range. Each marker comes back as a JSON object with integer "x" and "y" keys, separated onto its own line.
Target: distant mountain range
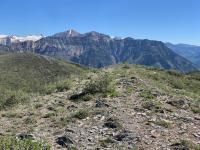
{"x": 95, "y": 49}
{"x": 191, "y": 52}
{"x": 10, "y": 39}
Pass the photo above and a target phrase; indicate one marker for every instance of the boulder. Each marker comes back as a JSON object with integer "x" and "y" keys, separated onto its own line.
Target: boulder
{"x": 24, "y": 136}
{"x": 179, "y": 146}
{"x": 178, "y": 103}
{"x": 127, "y": 137}
{"x": 112, "y": 123}
{"x": 100, "y": 103}
{"x": 64, "y": 141}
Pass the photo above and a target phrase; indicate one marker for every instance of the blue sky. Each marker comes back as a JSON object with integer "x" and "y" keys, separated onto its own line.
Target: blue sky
{"x": 176, "y": 21}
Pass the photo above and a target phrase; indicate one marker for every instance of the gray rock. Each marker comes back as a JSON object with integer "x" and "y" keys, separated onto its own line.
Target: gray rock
{"x": 23, "y": 136}
{"x": 197, "y": 135}
{"x": 149, "y": 105}
{"x": 112, "y": 123}
{"x": 64, "y": 141}
{"x": 100, "y": 103}
{"x": 179, "y": 146}
{"x": 138, "y": 109}
{"x": 127, "y": 136}
{"x": 178, "y": 103}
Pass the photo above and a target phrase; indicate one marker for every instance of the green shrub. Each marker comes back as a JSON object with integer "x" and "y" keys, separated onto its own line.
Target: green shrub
{"x": 64, "y": 120}
{"x": 30, "y": 120}
{"x": 58, "y": 87}
{"x": 147, "y": 94}
{"x": 81, "y": 114}
{"x": 49, "y": 115}
{"x": 154, "y": 77}
{"x": 106, "y": 142}
{"x": 113, "y": 93}
{"x": 153, "y": 106}
{"x": 194, "y": 75}
{"x": 38, "y": 105}
{"x": 100, "y": 85}
{"x": 176, "y": 83}
{"x": 175, "y": 73}
{"x": 12, "y": 98}
{"x": 154, "y": 69}
{"x": 72, "y": 148}
{"x": 195, "y": 110}
{"x": 126, "y": 65}
{"x": 188, "y": 145}
{"x": 62, "y": 86}
{"x": 8, "y": 143}
{"x": 11, "y": 115}
{"x": 81, "y": 97}
{"x": 163, "y": 123}
{"x": 86, "y": 97}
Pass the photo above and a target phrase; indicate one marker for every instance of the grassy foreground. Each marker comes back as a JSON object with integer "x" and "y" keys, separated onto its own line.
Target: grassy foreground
{"x": 72, "y": 95}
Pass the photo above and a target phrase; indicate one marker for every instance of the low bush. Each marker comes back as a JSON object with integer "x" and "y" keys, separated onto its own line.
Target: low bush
{"x": 185, "y": 144}
{"x": 176, "y": 83}
{"x": 12, "y": 98}
{"x": 81, "y": 114}
{"x": 175, "y": 73}
{"x": 99, "y": 85}
{"x": 58, "y": 87}
{"x": 106, "y": 142}
{"x": 147, "y": 95}
{"x": 49, "y": 115}
{"x": 195, "y": 110}
{"x": 12, "y": 143}
{"x": 164, "y": 123}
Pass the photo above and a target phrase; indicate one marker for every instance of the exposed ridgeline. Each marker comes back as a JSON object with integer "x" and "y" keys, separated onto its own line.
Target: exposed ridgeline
{"x": 121, "y": 107}
{"x": 98, "y": 50}
{"x": 190, "y": 52}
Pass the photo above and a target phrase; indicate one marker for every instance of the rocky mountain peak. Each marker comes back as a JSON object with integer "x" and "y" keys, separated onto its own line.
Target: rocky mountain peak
{"x": 68, "y": 33}
{"x": 73, "y": 32}
{"x": 94, "y": 33}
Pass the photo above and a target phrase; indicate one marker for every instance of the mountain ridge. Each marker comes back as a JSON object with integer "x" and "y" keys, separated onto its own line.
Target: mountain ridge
{"x": 10, "y": 39}
{"x": 191, "y": 52}
{"x": 95, "y": 49}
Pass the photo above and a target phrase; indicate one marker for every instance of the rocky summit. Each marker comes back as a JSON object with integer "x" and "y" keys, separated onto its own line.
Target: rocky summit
{"x": 120, "y": 107}
{"x": 98, "y": 50}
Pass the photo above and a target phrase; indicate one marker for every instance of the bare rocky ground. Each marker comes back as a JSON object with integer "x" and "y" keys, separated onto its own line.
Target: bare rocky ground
{"x": 140, "y": 116}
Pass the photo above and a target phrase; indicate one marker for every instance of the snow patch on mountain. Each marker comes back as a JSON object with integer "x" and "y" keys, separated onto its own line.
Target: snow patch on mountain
{"x": 9, "y": 39}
